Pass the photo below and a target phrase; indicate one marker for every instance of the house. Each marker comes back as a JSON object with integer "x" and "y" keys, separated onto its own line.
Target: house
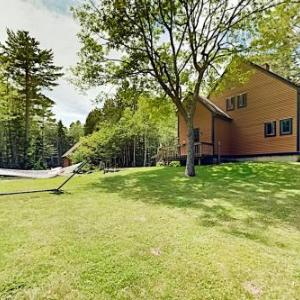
{"x": 66, "y": 157}
{"x": 257, "y": 119}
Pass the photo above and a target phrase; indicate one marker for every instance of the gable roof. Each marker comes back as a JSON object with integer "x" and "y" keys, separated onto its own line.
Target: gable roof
{"x": 71, "y": 150}
{"x": 275, "y": 75}
{"x": 213, "y": 108}
{"x": 262, "y": 69}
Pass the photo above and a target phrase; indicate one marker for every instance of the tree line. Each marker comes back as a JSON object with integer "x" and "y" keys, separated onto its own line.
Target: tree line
{"x": 128, "y": 130}
{"x": 30, "y": 137}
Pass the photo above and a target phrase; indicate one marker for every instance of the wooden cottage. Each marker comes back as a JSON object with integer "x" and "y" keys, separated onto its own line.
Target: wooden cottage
{"x": 258, "y": 119}
{"x": 66, "y": 157}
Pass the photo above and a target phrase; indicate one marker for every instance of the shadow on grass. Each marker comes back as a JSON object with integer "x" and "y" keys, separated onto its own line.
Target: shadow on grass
{"x": 239, "y": 196}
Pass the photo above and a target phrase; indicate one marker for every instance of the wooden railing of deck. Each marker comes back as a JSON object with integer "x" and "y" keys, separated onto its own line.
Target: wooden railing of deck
{"x": 172, "y": 153}
{"x": 203, "y": 149}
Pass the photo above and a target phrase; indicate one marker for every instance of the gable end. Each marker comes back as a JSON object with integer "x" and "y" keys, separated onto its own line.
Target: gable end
{"x": 274, "y": 75}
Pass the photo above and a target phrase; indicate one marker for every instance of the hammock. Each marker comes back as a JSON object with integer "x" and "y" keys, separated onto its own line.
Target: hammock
{"x": 40, "y": 173}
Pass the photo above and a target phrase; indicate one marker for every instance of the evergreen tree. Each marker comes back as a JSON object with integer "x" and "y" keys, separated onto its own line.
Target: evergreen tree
{"x": 76, "y": 131}
{"x": 30, "y": 69}
{"x": 62, "y": 143}
{"x": 131, "y": 128}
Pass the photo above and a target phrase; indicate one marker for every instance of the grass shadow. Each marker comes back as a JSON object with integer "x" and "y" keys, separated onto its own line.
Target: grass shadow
{"x": 238, "y": 197}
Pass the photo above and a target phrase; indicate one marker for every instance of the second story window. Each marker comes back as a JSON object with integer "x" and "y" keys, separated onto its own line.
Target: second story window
{"x": 242, "y": 100}
{"x": 196, "y": 135}
{"x": 270, "y": 129}
{"x": 230, "y": 103}
{"x": 286, "y": 126}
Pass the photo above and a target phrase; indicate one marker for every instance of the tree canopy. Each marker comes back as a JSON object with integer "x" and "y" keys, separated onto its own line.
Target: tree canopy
{"x": 181, "y": 45}
{"x": 29, "y": 134}
{"x": 29, "y": 69}
{"x": 130, "y": 128}
{"x": 276, "y": 40}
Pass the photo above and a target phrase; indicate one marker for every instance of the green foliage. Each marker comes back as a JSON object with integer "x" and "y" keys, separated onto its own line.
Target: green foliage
{"x": 100, "y": 146}
{"x": 179, "y": 44}
{"x": 39, "y": 165}
{"x": 26, "y": 70}
{"x": 62, "y": 141}
{"x": 26, "y": 64}
{"x": 130, "y": 128}
{"x": 276, "y": 40}
{"x": 75, "y": 132}
{"x": 174, "y": 163}
{"x": 92, "y": 121}
{"x": 160, "y": 164}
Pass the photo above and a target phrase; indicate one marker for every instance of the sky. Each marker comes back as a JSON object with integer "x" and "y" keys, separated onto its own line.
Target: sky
{"x": 51, "y": 23}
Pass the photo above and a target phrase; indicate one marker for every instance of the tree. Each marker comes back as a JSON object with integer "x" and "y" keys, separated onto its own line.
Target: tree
{"x": 11, "y": 128}
{"x": 92, "y": 121}
{"x": 43, "y": 118}
{"x": 178, "y": 44}
{"x": 277, "y": 39}
{"x": 30, "y": 69}
{"x": 76, "y": 131}
{"x": 62, "y": 143}
{"x": 132, "y": 126}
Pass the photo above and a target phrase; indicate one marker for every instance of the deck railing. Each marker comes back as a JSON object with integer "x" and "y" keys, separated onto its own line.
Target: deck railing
{"x": 202, "y": 149}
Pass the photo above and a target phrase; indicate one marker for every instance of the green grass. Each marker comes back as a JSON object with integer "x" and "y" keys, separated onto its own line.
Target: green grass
{"x": 233, "y": 232}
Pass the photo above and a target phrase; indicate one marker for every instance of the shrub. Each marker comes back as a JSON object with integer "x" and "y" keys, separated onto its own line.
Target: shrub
{"x": 39, "y": 165}
{"x": 174, "y": 163}
{"x": 160, "y": 164}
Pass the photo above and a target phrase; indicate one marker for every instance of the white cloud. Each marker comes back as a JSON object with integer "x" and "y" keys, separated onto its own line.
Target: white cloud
{"x": 56, "y": 31}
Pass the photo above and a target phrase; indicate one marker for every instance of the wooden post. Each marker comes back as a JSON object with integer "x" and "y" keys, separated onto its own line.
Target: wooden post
{"x": 200, "y": 149}
{"x": 200, "y": 153}
{"x": 219, "y": 152}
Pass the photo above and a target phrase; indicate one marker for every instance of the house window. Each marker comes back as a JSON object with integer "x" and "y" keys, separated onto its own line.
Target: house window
{"x": 242, "y": 100}
{"x": 286, "y": 126}
{"x": 196, "y": 135}
{"x": 230, "y": 103}
{"x": 270, "y": 129}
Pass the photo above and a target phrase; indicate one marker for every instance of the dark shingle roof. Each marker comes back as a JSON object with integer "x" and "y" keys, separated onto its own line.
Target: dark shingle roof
{"x": 213, "y": 107}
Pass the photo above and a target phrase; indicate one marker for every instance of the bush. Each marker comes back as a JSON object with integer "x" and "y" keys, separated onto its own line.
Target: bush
{"x": 174, "y": 163}
{"x": 39, "y": 165}
{"x": 160, "y": 164}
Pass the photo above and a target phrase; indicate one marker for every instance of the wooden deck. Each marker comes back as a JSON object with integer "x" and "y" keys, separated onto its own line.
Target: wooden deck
{"x": 204, "y": 153}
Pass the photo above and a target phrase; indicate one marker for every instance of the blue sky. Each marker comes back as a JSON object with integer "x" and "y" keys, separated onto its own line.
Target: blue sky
{"x": 58, "y": 6}
{"x": 51, "y": 22}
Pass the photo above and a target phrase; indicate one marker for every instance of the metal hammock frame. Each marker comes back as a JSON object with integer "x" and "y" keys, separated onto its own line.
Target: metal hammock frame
{"x": 57, "y": 190}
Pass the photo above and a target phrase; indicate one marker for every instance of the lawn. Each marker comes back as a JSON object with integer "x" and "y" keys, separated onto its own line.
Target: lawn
{"x": 233, "y": 232}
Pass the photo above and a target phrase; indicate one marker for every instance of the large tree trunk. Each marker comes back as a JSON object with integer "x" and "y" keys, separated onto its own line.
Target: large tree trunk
{"x": 190, "y": 159}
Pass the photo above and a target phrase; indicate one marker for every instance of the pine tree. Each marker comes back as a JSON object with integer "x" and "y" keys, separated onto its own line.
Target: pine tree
{"x": 62, "y": 143}
{"x": 30, "y": 69}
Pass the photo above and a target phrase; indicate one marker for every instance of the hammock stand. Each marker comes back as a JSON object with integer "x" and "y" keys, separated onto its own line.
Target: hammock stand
{"x": 57, "y": 190}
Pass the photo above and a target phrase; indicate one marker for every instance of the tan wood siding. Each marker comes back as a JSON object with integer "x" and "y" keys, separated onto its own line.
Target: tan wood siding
{"x": 222, "y": 136}
{"x": 268, "y": 99}
{"x": 203, "y": 121}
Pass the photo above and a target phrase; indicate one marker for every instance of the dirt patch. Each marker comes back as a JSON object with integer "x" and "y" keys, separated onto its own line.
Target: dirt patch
{"x": 155, "y": 251}
{"x": 252, "y": 288}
